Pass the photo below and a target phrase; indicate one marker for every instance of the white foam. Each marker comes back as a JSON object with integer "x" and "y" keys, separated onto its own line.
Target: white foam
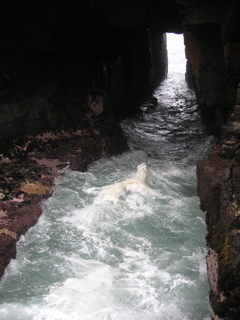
{"x": 129, "y": 260}
{"x": 136, "y": 184}
{"x": 87, "y": 295}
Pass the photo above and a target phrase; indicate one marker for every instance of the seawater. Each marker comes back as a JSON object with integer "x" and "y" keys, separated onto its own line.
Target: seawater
{"x": 125, "y": 240}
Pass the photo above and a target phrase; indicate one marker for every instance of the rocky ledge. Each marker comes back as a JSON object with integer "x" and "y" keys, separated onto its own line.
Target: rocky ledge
{"x": 29, "y": 165}
{"x": 219, "y": 191}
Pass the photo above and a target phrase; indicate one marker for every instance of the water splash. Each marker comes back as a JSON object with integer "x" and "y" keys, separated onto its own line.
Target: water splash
{"x": 136, "y": 184}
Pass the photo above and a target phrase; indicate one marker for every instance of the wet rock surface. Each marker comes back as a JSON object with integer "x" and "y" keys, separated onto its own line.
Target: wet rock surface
{"x": 219, "y": 192}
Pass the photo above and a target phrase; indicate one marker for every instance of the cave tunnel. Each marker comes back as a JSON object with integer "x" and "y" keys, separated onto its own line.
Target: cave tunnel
{"x": 56, "y": 52}
{"x": 67, "y": 65}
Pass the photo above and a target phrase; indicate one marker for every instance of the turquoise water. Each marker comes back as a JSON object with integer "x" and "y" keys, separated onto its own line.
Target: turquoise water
{"x": 125, "y": 240}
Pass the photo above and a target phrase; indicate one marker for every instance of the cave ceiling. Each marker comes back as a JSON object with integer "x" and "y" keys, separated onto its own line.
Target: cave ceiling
{"x": 29, "y": 23}
{"x": 159, "y": 15}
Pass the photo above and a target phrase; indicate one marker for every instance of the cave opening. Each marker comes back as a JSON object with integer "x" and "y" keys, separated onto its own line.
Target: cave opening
{"x": 176, "y": 53}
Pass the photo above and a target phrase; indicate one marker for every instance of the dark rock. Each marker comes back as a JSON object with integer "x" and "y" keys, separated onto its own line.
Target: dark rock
{"x": 219, "y": 192}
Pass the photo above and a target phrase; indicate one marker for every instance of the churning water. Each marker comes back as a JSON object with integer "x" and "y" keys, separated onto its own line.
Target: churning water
{"x": 125, "y": 240}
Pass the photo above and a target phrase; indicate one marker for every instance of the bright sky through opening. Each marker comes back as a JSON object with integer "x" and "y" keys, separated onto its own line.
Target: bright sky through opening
{"x": 176, "y": 54}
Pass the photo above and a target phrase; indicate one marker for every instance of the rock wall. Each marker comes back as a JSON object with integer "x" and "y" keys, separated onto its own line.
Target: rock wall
{"x": 139, "y": 67}
{"x": 205, "y": 53}
{"x": 212, "y": 41}
{"x": 43, "y": 91}
{"x": 219, "y": 191}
